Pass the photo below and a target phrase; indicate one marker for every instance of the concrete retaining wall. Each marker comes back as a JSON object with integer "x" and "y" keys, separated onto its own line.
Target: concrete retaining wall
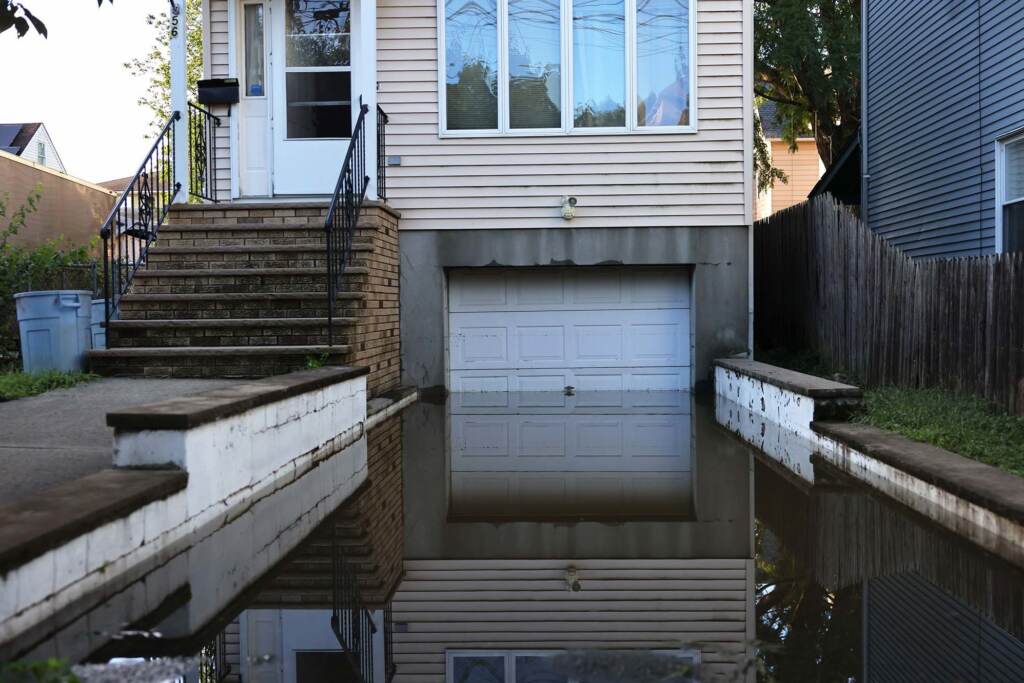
{"x": 792, "y": 418}
{"x": 238, "y": 446}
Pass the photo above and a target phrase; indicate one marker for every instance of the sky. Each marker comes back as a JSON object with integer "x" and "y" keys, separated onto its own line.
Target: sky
{"x": 74, "y": 82}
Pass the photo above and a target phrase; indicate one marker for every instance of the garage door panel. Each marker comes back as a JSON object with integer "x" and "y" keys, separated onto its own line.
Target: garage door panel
{"x": 581, "y": 379}
{"x": 542, "y": 329}
{"x": 548, "y": 289}
{"x": 614, "y": 338}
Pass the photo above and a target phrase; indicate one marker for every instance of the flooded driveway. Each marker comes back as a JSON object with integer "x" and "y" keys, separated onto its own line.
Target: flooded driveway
{"x": 549, "y": 538}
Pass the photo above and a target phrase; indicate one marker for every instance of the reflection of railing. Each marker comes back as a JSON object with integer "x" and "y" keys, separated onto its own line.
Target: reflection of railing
{"x": 132, "y": 224}
{"x": 202, "y": 153}
{"x": 351, "y": 622}
{"x": 389, "y": 645}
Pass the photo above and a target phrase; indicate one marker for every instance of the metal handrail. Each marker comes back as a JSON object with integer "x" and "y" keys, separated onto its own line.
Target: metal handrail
{"x": 343, "y": 214}
{"x": 132, "y": 224}
{"x": 382, "y": 186}
{"x": 202, "y": 157}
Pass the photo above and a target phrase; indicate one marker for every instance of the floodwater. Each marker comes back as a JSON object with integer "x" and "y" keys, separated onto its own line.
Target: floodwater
{"x": 544, "y": 538}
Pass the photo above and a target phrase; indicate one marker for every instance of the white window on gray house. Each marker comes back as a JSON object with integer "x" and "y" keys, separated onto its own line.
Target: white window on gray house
{"x": 41, "y": 152}
{"x": 1010, "y": 194}
{"x": 564, "y": 66}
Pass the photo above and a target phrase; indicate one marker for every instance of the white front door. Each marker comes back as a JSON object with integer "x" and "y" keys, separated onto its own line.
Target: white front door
{"x": 545, "y": 329}
{"x": 254, "y": 102}
{"x": 312, "y": 100}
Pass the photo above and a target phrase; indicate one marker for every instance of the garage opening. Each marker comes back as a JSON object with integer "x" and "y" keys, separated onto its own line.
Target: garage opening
{"x": 569, "y": 329}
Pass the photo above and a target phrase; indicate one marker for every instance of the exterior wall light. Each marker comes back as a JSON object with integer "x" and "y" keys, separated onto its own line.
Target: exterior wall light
{"x": 568, "y": 208}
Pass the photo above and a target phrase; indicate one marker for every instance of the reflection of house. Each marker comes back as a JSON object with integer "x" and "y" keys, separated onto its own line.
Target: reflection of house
{"x": 484, "y": 591}
{"x": 31, "y": 142}
{"x": 802, "y": 166}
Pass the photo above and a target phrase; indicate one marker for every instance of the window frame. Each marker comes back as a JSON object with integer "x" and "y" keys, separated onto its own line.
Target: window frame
{"x": 1000, "y": 194}
{"x": 510, "y": 658}
{"x": 568, "y": 102}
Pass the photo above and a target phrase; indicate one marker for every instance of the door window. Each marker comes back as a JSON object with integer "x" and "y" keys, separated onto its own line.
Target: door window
{"x": 255, "y": 71}
{"x": 318, "y": 79}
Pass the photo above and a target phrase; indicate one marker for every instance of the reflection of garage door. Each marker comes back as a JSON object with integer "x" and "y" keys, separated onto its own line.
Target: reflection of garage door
{"x": 542, "y": 329}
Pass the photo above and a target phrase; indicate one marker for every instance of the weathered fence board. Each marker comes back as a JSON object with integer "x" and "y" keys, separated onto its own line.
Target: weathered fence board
{"x": 825, "y": 282}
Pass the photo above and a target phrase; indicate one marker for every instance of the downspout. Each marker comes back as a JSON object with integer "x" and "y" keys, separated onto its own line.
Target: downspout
{"x": 865, "y": 174}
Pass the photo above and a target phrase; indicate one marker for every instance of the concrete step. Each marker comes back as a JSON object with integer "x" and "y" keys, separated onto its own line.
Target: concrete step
{"x": 241, "y": 280}
{"x": 304, "y": 304}
{"x": 212, "y": 361}
{"x": 244, "y": 256}
{"x": 225, "y": 332}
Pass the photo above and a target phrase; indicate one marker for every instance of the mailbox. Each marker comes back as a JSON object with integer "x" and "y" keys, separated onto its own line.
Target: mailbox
{"x": 218, "y": 91}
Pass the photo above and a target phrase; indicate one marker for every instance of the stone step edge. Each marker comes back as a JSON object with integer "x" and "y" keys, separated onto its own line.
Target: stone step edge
{"x": 238, "y": 296}
{"x": 243, "y": 272}
{"x": 253, "y": 249}
{"x": 226, "y": 323}
{"x": 214, "y": 226}
{"x": 185, "y": 351}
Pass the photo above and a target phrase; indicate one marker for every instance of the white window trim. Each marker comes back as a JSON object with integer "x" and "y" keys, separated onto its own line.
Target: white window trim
{"x": 568, "y": 106}
{"x": 1001, "y": 198}
{"x": 510, "y": 656}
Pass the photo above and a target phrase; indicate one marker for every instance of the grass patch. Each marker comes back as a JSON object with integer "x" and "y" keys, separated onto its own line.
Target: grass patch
{"x": 967, "y": 425}
{"x": 970, "y": 426}
{"x": 20, "y": 384}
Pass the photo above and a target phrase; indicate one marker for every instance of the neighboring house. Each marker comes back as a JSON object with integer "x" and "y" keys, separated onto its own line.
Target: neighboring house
{"x": 631, "y": 120}
{"x": 69, "y": 208}
{"x": 803, "y": 167}
{"x": 31, "y": 142}
{"x": 943, "y": 125}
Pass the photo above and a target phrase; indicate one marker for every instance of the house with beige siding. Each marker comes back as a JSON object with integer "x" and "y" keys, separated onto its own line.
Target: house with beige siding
{"x": 801, "y": 164}
{"x": 571, "y": 180}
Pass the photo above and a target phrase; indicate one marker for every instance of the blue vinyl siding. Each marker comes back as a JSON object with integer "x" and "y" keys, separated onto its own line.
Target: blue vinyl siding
{"x": 945, "y": 80}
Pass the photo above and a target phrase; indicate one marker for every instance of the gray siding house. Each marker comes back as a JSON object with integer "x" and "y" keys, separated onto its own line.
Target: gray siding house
{"x": 943, "y": 125}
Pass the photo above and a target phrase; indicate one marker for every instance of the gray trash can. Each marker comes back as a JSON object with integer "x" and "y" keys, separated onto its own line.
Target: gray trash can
{"x": 55, "y": 329}
{"x": 99, "y": 332}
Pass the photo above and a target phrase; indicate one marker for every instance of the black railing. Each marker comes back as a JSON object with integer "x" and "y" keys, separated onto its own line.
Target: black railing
{"x": 202, "y": 153}
{"x": 382, "y": 185}
{"x": 351, "y": 622}
{"x": 131, "y": 226}
{"x": 343, "y": 214}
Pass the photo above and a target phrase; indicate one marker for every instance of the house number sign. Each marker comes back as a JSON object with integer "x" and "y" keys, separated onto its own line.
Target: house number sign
{"x": 175, "y": 15}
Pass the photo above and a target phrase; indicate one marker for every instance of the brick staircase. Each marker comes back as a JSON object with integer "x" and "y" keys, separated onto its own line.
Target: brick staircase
{"x": 239, "y": 290}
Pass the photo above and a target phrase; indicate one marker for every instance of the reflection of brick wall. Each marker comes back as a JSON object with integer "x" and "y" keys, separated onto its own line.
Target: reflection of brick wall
{"x": 68, "y": 207}
{"x": 381, "y": 507}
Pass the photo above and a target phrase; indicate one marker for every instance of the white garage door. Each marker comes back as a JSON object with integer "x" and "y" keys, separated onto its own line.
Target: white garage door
{"x": 594, "y": 329}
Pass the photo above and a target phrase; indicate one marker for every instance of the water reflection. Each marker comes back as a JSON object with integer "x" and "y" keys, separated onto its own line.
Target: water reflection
{"x": 542, "y": 537}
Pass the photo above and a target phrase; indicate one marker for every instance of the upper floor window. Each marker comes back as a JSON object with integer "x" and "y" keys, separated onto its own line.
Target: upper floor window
{"x": 1010, "y": 194}
{"x": 563, "y": 66}
{"x": 41, "y": 152}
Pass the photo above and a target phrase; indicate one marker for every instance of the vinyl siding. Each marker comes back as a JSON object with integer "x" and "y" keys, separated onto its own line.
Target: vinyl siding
{"x": 217, "y": 67}
{"x": 517, "y": 182}
{"x": 524, "y": 604}
{"x": 916, "y": 631}
{"x": 802, "y": 169}
{"x": 31, "y": 152}
{"x": 944, "y": 81}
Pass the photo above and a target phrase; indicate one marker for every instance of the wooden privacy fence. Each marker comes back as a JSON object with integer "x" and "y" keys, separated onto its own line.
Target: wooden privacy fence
{"x": 825, "y": 282}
